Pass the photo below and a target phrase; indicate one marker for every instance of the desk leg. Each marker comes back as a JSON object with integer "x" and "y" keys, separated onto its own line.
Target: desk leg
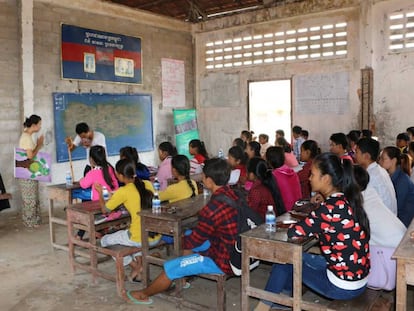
{"x": 178, "y": 251}
{"x": 145, "y": 253}
{"x": 71, "y": 246}
{"x": 297, "y": 279}
{"x": 401, "y": 299}
{"x": 51, "y": 228}
{"x": 245, "y": 278}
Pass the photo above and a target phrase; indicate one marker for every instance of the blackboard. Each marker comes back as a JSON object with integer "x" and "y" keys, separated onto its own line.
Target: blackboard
{"x": 124, "y": 119}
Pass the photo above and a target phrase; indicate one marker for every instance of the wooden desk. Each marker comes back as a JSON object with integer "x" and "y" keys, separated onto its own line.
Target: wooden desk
{"x": 82, "y": 216}
{"x": 60, "y": 193}
{"x": 169, "y": 224}
{"x": 273, "y": 247}
{"x": 404, "y": 254}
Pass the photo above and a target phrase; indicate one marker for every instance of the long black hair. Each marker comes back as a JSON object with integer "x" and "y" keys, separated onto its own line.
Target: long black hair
{"x": 127, "y": 168}
{"x": 182, "y": 165}
{"x": 33, "y": 119}
{"x": 259, "y": 168}
{"x": 342, "y": 175}
{"x": 98, "y": 155}
{"x": 168, "y": 147}
{"x": 199, "y": 145}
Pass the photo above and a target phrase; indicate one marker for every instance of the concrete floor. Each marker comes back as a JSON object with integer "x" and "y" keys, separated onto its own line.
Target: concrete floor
{"x": 36, "y": 278}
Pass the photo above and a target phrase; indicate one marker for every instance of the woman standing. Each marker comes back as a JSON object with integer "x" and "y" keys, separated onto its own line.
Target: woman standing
{"x": 30, "y": 188}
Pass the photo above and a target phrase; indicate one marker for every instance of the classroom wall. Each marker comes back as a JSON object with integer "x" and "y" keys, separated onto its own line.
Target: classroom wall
{"x": 10, "y": 80}
{"x": 222, "y": 94}
{"x": 161, "y": 38}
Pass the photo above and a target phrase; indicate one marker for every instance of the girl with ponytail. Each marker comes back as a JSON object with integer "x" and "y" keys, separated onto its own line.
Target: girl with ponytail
{"x": 184, "y": 187}
{"x": 342, "y": 228}
{"x": 135, "y": 195}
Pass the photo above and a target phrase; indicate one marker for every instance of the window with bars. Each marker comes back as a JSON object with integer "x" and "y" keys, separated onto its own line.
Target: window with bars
{"x": 401, "y": 31}
{"x": 307, "y": 43}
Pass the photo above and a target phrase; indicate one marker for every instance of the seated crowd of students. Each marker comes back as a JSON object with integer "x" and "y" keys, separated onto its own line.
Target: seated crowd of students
{"x": 358, "y": 186}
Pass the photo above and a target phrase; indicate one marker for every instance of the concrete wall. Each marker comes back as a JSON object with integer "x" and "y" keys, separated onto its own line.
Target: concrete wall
{"x": 161, "y": 38}
{"x": 10, "y": 80}
{"x": 222, "y": 94}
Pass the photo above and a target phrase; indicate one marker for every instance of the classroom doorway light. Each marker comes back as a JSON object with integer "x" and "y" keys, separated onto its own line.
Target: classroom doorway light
{"x": 270, "y": 104}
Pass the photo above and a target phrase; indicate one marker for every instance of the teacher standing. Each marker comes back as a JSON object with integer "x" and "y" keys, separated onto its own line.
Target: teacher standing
{"x": 29, "y": 188}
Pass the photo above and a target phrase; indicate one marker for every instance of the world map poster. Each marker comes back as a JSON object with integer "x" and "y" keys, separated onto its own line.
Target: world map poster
{"x": 124, "y": 119}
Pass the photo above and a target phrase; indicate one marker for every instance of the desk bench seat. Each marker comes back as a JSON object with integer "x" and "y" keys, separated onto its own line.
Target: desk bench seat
{"x": 117, "y": 252}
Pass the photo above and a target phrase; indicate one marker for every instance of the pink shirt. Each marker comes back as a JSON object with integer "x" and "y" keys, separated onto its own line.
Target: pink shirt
{"x": 164, "y": 172}
{"x": 96, "y": 176}
{"x": 289, "y": 185}
{"x": 290, "y": 160}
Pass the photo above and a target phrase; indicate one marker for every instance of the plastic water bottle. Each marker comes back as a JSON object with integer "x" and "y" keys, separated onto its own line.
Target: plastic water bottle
{"x": 156, "y": 184}
{"x": 220, "y": 153}
{"x": 68, "y": 178}
{"x": 156, "y": 204}
{"x": 270, "y": 219}
{"x": 105, "y": 193}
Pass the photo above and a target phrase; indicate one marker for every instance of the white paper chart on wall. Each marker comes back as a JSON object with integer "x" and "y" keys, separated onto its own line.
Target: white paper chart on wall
{"x": 321, "y": 93}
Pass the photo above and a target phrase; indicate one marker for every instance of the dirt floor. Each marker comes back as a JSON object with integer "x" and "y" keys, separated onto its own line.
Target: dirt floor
{"x": 36, "y": 278}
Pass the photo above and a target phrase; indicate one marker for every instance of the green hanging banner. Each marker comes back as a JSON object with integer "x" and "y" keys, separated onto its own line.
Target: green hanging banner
{"x": 185, "y": 123}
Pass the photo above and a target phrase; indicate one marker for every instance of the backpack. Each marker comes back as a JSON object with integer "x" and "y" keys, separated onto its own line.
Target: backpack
{"x": 247, "y": 219}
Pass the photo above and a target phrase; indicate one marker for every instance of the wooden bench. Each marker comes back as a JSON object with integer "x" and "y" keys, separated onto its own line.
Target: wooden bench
{"x": 117, "y": 252}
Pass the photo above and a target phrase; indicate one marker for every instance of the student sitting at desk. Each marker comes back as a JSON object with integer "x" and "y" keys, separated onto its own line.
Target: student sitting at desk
{"x": 217, "y": 222}
{"x": 166, "y": 151}
{"x": 264, "y": 190}
{"x": 237, "y": 160}
{"x": 197, "y": 149}
{"x": 342, "y": 227}
{"x": 135, "y": 195}
{"x": 184, "y": 187}
{"x": 131, "y": 154}
{"x": 102, "y": 173}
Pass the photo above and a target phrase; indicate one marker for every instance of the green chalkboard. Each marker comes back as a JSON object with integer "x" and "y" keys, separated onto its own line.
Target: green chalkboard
{"x": 124, "y": 119}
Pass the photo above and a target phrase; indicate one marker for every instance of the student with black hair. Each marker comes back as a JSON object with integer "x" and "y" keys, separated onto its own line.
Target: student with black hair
{"x": 102, "y": 173}
{"x": 308, "y": 151}
{"x": 217, "y": 223}
{"x": 338, "y": 144}
{"x": 297, "y": 140}
{"x": 184, "y": 187}
{"x": 390, "y": 160}
{"x": 366, "y": 155}
{"x": 341, "y": 270}
{"x": 264, "y": 190}
{"x": 236, "y": 157}
{"x": 166, "y": 151}
{"x": 198, "y": 150}
{"x": 402, "y": 141}
{"x": 135, "y": 195}
{"x": 285, "y": 177}
{"x": 253, "y": 149}
{"x": 131, "y": 154}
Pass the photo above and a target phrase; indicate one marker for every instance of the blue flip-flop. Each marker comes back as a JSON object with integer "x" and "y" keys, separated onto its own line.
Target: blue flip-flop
{"x": 138, "y": 302}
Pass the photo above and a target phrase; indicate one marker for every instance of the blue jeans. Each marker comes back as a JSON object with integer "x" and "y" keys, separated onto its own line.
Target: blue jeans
{"x": 313, "y": 276}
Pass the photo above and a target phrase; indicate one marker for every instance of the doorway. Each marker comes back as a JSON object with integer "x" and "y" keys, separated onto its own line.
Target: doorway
{"x": 270, "y": 107}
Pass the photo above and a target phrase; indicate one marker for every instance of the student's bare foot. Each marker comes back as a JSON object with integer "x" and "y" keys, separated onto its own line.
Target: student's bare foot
{"x": 137, "y": 297}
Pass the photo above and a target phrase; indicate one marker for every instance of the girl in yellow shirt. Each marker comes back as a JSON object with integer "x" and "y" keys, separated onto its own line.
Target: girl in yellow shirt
{"x": 135, "y": 195}
{"x": 185, "y": 187}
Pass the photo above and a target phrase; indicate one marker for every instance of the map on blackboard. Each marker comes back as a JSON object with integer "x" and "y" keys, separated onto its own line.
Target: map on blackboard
{"x": 124, "y": 119}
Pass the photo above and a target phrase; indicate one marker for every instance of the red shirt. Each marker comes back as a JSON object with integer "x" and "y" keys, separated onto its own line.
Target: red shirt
{"x": 217, "y": 222}
{"x": 303, "y": 175}
{"x": 259, "y": 198}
